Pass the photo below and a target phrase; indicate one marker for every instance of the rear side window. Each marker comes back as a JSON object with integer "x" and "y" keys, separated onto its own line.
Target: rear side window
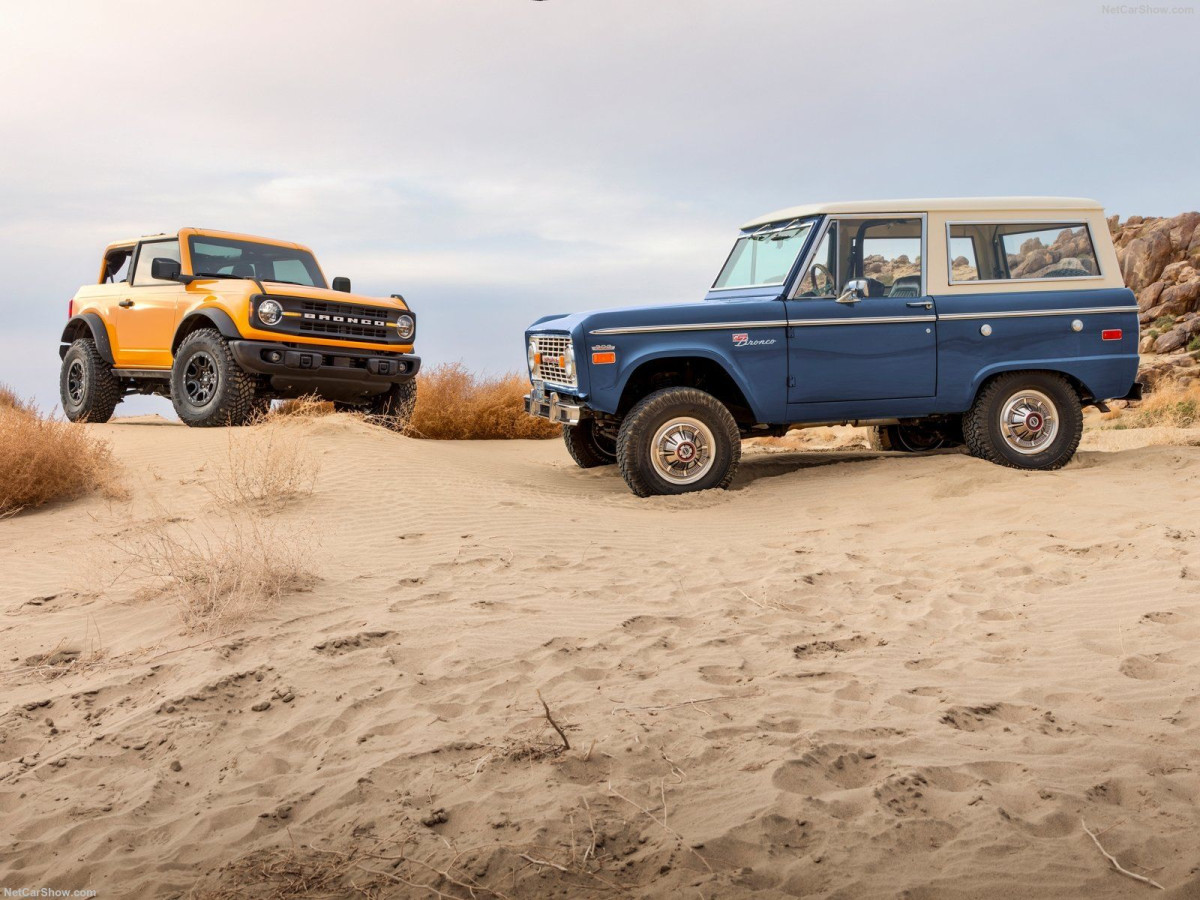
{"x": 147, "y": 253}
{"x": 1020, "y": 251}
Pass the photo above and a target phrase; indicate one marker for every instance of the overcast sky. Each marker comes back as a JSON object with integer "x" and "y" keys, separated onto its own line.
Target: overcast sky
{"x": 497, "y": 160}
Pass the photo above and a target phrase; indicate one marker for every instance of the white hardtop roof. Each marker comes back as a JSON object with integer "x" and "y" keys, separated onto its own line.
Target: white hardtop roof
{"x": 957, "y": 204}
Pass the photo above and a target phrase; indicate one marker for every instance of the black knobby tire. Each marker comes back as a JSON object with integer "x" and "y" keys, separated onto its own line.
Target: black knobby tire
{"x": 228, "y": 398}
{"x": 635, "y": 441}
{"x": 394, "y": 407}
{"x": 588, "y": 448}
{"x": 906, "y": 439}
{"x": 88, "y": 389}
{"x": 986, "y": 438}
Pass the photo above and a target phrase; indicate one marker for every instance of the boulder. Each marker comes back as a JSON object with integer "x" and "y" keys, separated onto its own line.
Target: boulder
{"x": 1183, "y": 229}
{"x": 1174, "y": 272}
{"x": 1144, "y": 259}
{"x": 1148, "y": 297}
{"x": 1172, "y": 340}
{"x": 1180, "y": 298}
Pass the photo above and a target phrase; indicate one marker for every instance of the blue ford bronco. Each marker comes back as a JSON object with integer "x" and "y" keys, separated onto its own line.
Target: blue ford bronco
{"x": 989, "y": 322}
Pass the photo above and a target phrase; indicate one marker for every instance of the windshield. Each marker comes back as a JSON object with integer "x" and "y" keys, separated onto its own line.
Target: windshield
{"x": 764, "y": 256}
{"x": 218, "y": 257}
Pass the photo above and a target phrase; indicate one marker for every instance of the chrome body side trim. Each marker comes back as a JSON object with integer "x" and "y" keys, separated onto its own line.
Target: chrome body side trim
{"x": 699, "y": 326}
{"x": 862, "y": 320}
{"x": 1030, "y": 313}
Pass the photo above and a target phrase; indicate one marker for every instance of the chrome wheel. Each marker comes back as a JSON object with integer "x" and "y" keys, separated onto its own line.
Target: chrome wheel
{"x": 682, "y": 450}
{"x": 75, "y": 382}
{"x": 200, "y": 378}
{"x": 1029, "y": 422}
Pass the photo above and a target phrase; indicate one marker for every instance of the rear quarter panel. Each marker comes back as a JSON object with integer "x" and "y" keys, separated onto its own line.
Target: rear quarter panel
{"x": 967, "y": 357}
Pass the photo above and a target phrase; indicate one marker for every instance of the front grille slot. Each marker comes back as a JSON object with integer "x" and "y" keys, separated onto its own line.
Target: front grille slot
{"x": 551, "y": 347}
{"x": 341, "y": 321}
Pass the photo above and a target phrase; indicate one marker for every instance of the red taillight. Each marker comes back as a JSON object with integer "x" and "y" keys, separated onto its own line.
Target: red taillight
{"x": 1110, "y": 334}
{"x": 70, "y": 307}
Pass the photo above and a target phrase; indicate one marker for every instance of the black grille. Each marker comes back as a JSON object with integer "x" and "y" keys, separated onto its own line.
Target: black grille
{"x": 344, "y": 330}
{"x": 345, "y": 321}
{"x": 343, "y": 309}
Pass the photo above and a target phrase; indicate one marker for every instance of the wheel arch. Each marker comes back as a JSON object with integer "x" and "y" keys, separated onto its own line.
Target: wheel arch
{"x": 207, "y": 317}
{"x": 987, "y": 376}
{"x": 693, "y": 367}
{"x": 88, "y": 324}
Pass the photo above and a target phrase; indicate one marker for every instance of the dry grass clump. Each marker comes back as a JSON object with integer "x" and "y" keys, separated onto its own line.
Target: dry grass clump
{"x": 264, "y": 467}
{"x": 43, "y": 459}
{"x": 456, "y": 404}
{"x": 1172, "y": 404}
{"x": 221, "y": 578}
{"x": 309, "y": 406}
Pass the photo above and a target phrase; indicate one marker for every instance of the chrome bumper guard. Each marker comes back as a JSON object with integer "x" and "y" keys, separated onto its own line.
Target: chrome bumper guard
{"x": 550, "y": 406}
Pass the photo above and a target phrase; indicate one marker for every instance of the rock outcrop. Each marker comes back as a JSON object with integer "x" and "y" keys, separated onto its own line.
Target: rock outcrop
{"x": 1160, "y": 263}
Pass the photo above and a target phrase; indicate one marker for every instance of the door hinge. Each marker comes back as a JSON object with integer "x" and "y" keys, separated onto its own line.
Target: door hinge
{"x": 789, "y": 332}
{"x": 791, "y": 381}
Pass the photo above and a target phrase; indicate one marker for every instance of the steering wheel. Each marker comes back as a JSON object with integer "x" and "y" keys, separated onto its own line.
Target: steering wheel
{"x": 812, "y": 276}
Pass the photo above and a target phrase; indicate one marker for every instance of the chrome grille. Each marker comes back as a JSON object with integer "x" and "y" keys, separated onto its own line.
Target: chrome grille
{"x": 551, "y": 347}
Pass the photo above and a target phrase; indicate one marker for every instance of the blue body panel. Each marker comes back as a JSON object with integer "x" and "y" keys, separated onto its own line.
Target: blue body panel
{"x": 816, "y": 360}
{"x": 966, "y": 357}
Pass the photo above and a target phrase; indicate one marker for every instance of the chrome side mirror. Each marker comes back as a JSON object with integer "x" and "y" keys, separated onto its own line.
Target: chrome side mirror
{"x": 855, "y": 290}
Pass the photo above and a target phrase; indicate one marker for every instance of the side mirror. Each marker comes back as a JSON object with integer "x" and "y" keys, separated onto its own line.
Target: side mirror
{"x": 165, "y": 269}
{"x": 855, "y": 290}
{"x": 341, "y": 284}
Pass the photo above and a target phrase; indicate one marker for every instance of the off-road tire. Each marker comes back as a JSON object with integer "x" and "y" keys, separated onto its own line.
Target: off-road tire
{"x": 97, "y": 391}
{"x": 652, "y": 412}
{"x": 588, "y": 449}
{"x": 905, "y": 439}
{"x": 232, "y": 400}
{"x": 981, "y": 423}
{"x": 394, "y": 407}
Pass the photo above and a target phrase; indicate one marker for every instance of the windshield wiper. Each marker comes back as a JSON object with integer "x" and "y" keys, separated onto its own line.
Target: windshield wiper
{"x": 226, "y": 275}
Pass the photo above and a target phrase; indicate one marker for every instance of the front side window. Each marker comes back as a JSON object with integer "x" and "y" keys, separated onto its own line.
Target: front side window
{"x": 886, "y": 253}
{"x": 765, "y": 256}
{"x": 217, "y": 257}
{"x": 147, "y": 253}
{"x": 1020, "y": 251}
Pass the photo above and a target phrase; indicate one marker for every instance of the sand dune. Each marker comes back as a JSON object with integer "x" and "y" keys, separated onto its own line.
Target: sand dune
{"x": 854, "y": 675}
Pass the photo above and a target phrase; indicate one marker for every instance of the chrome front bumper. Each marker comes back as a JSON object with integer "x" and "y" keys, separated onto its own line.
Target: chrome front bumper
{"x": 551, "y": 406}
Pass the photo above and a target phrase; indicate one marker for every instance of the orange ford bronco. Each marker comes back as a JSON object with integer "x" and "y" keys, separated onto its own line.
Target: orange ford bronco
{"x": 223, "y": 324}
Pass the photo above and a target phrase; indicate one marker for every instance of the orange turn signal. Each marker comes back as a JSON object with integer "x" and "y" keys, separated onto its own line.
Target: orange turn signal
{"x": 602, "y": 359}
{"x": 537, "y": 359}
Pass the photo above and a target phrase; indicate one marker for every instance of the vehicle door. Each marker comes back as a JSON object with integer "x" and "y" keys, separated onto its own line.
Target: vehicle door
{"x": 148, "y": 310}
{"x": 861, "y": 323}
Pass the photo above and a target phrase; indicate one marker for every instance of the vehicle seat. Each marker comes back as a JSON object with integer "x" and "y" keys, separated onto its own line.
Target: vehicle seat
{"x": 906, "y": 286}
{"x": 243, "y": 270}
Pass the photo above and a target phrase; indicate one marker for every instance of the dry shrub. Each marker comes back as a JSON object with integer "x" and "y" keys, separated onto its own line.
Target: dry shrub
{"x": 43, "y": 459}
{"x": 455, "y": 404}
{"x": 309, "y": 406}
{"x": 1172, "y": 404}
{"x": 221, "y": 578}
{"x": 264, "y": 467}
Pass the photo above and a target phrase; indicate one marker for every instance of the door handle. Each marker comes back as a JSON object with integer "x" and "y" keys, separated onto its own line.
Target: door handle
{"x": 125, "y": 304}
{"x": 919, "y": 304}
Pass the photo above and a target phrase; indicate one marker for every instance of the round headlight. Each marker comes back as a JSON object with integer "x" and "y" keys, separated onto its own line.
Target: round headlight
{"x": 270, "y": 312}
{"x": 569, "y": 362}
{"x": 532, "y": 356}
{"x": 406, "y": 327}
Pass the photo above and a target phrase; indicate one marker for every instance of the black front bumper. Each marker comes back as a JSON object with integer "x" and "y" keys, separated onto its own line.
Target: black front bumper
{"x": 332, "y": 372}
